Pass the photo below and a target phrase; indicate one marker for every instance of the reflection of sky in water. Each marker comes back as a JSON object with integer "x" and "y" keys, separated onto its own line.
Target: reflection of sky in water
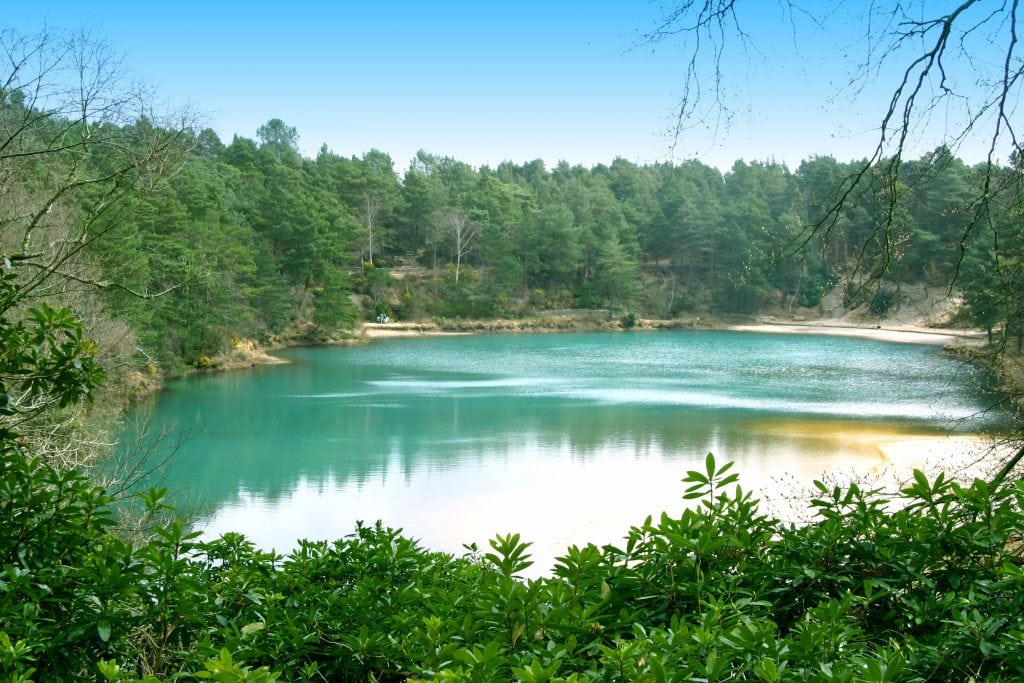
{"x": 550, "y": 498}
{"x": 562, "y": 438}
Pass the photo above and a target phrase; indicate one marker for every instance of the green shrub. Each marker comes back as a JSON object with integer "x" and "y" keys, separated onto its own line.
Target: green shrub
{"x": 882, "y": 301}
{"x": 924, "y": 586}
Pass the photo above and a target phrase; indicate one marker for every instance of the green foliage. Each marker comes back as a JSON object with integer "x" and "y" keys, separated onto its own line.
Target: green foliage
{"x": 44, "y": 359}
{"x": 923, "y": 585}
{"x": 252, "y": 240}
{"x": 331, "y": 297}
{"x": 247, "y": 240}
{"x": 882, "y": 300}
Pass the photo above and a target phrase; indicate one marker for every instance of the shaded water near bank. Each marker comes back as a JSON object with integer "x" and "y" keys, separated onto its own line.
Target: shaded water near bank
{"x": 565, "y": 438}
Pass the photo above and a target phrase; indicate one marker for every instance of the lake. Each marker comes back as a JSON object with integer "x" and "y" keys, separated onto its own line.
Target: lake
{"x": 565, "y": 438}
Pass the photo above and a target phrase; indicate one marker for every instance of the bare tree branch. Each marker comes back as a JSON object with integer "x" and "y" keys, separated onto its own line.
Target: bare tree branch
{"x": 954, "y": 76}
{"x": 80, "y": 142}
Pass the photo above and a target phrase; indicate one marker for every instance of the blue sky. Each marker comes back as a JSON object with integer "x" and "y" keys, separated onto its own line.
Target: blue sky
{"x": 482, "y": 82}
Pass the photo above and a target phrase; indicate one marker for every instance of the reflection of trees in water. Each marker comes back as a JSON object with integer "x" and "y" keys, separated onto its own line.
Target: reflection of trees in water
{"x": 268, "y": 450}
{"x": 263, "y": 433}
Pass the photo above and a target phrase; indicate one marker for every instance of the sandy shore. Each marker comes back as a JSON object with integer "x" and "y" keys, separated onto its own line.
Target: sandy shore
{"x": 382, "y": 331}
{"x": 245, "y": 353}
{"x": 905, "y": 334}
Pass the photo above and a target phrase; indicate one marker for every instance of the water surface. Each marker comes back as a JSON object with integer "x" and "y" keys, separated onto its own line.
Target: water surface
{"x": 565, "y": 438}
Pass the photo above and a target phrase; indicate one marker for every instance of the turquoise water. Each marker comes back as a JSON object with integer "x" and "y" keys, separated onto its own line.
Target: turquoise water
{"x": 566, "y": 438}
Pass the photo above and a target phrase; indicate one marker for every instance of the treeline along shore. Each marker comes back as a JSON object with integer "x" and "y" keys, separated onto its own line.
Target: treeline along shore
{"x": 251, "y": 240}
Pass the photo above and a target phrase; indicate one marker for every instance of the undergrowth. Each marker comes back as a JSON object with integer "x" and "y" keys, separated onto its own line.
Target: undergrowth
{"x": 931, "y": 591}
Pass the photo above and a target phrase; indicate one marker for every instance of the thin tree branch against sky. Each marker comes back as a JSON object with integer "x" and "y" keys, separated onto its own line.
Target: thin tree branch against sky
{"x": 936, "y": 73}
{"x": 489, "y": 82}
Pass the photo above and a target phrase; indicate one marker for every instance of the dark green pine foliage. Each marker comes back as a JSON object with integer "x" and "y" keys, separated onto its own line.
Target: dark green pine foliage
{"x": 284, "y": 240}
{"x": 251, "y": 239}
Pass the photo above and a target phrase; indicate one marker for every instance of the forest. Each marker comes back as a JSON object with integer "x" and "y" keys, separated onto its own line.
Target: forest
{"x": 196, "y": 243}
{"x": 133, "y": 242}
{"x": 250, "y": 239}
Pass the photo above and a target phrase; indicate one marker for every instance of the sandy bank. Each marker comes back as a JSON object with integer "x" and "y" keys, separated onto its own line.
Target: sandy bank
{"x": 908, "y": 334}
{"x": 244, "y": 354}
{"x": 531, "y": 325}
{"x": 382, "y": 331}
{"x": 905, "y": 334}
{"x": 248, "y": 354}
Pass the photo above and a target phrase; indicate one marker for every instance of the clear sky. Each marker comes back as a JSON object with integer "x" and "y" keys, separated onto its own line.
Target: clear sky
{"x": 482, "y": 81}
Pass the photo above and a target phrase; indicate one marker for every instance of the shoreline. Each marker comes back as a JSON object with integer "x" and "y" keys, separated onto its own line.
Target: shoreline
{"x": 904, "y": 334}
{"x": 247, "y": 354}
{"x": 371, "y": 331}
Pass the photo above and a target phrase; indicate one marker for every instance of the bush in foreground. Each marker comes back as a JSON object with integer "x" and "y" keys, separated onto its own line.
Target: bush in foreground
{"x": 926, "y": 587}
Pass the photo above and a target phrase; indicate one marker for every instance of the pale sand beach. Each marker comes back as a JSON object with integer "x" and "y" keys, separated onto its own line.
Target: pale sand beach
{"x": 904, "y": 334}
{"x": 901, "y": 333}
{"x": 386, "y": 330}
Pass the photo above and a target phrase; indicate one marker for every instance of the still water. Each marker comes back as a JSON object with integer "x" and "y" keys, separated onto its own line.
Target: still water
{"x": 565, "y": 438}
